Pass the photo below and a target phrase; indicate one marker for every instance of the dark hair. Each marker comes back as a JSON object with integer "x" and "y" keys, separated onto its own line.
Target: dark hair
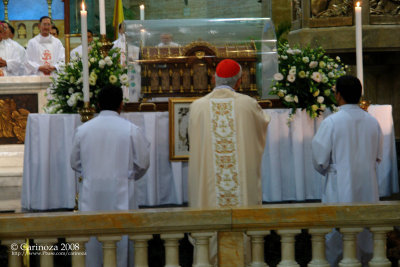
{"x": 110, "y": 98}
{"x": 55, "y": 27}
{"x": 11, "y": 28}
{"x": 44, "y": 17}
{"x": 349, "y": 88}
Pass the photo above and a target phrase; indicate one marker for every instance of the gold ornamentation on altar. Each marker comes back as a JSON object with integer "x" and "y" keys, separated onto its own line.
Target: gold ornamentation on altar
{"x": 200, "y": 54}
{"x": 12, "y": 120}
{"x": 333, "y": 8}
{"x": 364, "y": 104}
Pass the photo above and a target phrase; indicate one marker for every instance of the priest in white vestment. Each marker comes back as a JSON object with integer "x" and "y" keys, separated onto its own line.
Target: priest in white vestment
{"x": 77, "y": 51}
{"x": 12, "y": 55}
{"x": 46, "y": 54}
{"x": 346, "y": 150}
{"x": 227, "y": 132}
{"x": 110, "y": 153}
{"x": 166, "y": 41}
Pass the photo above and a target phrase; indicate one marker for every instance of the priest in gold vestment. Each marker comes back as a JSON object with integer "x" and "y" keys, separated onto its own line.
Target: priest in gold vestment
{"x": 227, "y": 132}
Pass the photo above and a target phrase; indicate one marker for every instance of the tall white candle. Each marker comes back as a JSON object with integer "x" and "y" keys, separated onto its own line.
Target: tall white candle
{"x": 359, "y": 56}
{"x": 102, "y": 12}
{"x": 141, "y": 12}
{"x": 85, "y": 65}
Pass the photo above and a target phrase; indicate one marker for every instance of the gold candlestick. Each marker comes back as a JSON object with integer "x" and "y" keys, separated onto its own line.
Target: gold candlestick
{"x": 49, "y": 7}
{"x": 5, "y": 10}
{"x": 87, "y": 112}
{"x": 106, "y": 45}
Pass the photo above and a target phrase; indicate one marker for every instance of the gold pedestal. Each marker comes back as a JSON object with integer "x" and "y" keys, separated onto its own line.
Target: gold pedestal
{"x": 87, "y": 112}
{"x": 106, "y": 45}
{"x": 364, "y": 104}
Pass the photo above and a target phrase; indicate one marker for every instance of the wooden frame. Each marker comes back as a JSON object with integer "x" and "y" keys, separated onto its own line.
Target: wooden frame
{"x": 178, "y": 127}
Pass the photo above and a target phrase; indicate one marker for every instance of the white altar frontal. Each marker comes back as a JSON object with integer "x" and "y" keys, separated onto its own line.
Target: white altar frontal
{"x": 287, "y": 170}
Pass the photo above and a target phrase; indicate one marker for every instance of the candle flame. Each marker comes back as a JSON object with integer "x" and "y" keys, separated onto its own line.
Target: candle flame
{"x": 142, "y": 6}
{"x": 83, "y": 6}
{"x": 358, "y": 4}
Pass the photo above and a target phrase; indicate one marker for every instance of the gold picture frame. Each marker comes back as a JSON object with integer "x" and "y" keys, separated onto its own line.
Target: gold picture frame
{"x": 178, "y": 108}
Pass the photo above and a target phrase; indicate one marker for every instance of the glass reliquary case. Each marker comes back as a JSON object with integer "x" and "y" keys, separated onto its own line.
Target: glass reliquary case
{"x": 177, "y": 58}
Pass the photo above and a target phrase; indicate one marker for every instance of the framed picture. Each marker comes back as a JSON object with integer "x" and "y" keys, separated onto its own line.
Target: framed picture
{"x": 178, "y": 127}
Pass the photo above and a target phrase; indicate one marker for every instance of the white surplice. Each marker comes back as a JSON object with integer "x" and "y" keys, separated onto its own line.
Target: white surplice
{"x": 227, "y": 132}
{"x": 15, "y": 56}
{"x": 43, "y": 50}
{"x": 110, "y": 153}
{"x": 346, "y": 150}
{"x": 76, "y": 52}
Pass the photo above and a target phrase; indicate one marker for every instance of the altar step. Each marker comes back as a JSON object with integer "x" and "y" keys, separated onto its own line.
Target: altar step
{"x": 11, "y": 169}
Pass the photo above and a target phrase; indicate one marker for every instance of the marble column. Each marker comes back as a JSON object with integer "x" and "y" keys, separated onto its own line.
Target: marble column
{"x": 287, "y": 247}
{"x": 318, "y": 247}
{"x": 46, "y": 254}
{"x": 350, "y": 247}
{"x": 141, "y": 244}
{"x": 257, "y": 248}
{"x": 171, "y": 245}
{"x": 15, "y": 253}
{"x": 379, "y": 259}
{"x": 109, "y": 249}
{"x": 77, "y": 245}
{"x": 201, "y": 257}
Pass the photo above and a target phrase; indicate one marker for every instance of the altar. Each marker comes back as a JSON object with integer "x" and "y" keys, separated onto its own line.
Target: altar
{"x": 287, "y": 171}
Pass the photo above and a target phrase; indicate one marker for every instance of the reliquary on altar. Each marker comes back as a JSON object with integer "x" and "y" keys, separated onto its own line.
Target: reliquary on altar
{"x": 178, "y": 57}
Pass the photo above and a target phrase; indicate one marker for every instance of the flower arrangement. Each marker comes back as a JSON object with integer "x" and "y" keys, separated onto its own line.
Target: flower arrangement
{"x": 65, "y": 92}
{"x": 305, "y": 79}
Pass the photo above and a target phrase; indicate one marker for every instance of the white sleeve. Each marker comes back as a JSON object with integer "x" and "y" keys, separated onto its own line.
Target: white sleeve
{"x": 322, "y": 147}
{"x": 31, "y": 66}
{"x": 16, "y": 64}
{"x": 75, "y": 159}
{"x": 141, "y": 152}
{"x": 60, "y": 50}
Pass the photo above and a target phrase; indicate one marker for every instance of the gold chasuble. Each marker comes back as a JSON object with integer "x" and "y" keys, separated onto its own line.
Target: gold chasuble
{"x": 227, "y": 133}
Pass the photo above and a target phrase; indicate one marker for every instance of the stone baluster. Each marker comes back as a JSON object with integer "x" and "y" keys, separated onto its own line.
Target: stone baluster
{"x": 171, "y": 245}
{"x": 318, "y": 247}
{"x": 15, "y": 253}
{"x": 109, "y": 249}
{"x": 47, "y": 253}
{"x": 141, "y": 244}
{"x": 379, "y": 259}
{"x": 257, "y": 248}
{"x": 287, "y": 247}
{"x": 201, "y": 257}
{"x": 77, "y": 246}
{"x": 350, "y": 247}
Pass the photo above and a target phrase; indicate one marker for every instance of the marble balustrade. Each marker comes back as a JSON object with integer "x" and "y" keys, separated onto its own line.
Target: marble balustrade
{"x": 230, "y": 223}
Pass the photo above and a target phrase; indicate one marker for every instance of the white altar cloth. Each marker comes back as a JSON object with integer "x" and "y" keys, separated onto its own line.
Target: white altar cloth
{"x": 287, "y": 171}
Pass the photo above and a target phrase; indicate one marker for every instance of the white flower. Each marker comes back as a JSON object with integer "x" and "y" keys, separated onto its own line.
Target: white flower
{"x": 113, "y": 79}
{"x": 306, "y": 59}
{"x": 324, "y": 79}
{"x": 338, "y": 58}
{"x": 313, "y": 64}
{"x": 93, "y": 75}
{"x": 278, "y": 76}
{"x": 79, "y": 80}
{"x": 296, "y": 51}
{"x": 316, "y": 76}
{"x": 320, "y": 99}
{"x": 323, "y": 107}
{"x": 316, "y": 93}
{"x": 314, "y": 107}
{"x": 292, "y": 71}
{"x": 92, "y": 81}
{"x": 302, "y": 74}
{"x": 327, "y": 92}
{"x": 123, "y": 78}
{"x": 92, "y": 59}
{"x": 331, "y": 75}
{"x": 102, "y": 63}
{"x": 284, "y": 57}
{"x": 322, "y": 64}
{"x": 296, "y": 99}
{"x": 108, "y": 61}
{"x": 289, "y": 98}
{"x": 280, "y": 93}
{"x": 71, "y": 91}
{"x": 273, "y": 88}
{"x": 291, "y": 77}
{"x": 290, "y": 51}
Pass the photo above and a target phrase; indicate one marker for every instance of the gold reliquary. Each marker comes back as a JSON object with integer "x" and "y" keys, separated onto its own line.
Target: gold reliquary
{"x": 188, "y": 70}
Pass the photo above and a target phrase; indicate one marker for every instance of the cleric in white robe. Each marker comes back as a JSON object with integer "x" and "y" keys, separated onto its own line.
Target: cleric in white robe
{"x": 110, "y": 153}
{"x": 45, "y": 53}
{"x": 77, "y": 51}
{"x": 12, "y": 55}
{"x": 346, "y": 150}
{"x": 227, "y": 132}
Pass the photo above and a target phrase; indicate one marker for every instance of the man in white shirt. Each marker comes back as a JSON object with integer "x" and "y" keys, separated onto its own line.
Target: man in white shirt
{"x": 77, "y": 51}
{"x": 12, "y": 54}
{"x": 121, "y": 43}
{"x": 346, "y": 150}
{"x": 110, "y": 153}
{"x": 45, "y": 53}
{"x": 166, "y": 41}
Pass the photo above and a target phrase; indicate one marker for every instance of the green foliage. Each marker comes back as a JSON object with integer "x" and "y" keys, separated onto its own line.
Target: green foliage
{"x": 282, "y": 30}
{"x": 305, "y": 79}
{"x": 65, "y": 92}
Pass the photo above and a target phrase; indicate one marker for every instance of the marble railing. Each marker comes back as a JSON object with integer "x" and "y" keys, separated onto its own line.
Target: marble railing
{"x": 230, "y": 224}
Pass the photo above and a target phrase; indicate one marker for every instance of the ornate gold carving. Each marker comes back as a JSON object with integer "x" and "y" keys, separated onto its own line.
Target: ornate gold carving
{"x": 49, "y": 7}
{"x": 87, "y": 112}
{"x": 364, "y": 104}
{"x": 334, "y": 8}
{"x": 12, "y": 120}
{"x": 200, "y": 54}
{"x": 384, "y": 7}
{"x": 5, "y": 10}
{"x": 199, "y": 43}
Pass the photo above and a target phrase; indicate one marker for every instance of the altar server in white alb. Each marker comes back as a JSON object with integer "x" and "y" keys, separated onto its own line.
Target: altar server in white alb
{"x": 346, "y": 150}
{"x": 77, "y": 51}
{"x": 110, "y": 153}
{"x": 45, "y": 52}
{"x": 12, "y": 54}
{"x": 227, "y": 132}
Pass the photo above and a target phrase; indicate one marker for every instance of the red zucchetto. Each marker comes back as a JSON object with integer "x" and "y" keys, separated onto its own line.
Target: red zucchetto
{"x": 227, "y": 68}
